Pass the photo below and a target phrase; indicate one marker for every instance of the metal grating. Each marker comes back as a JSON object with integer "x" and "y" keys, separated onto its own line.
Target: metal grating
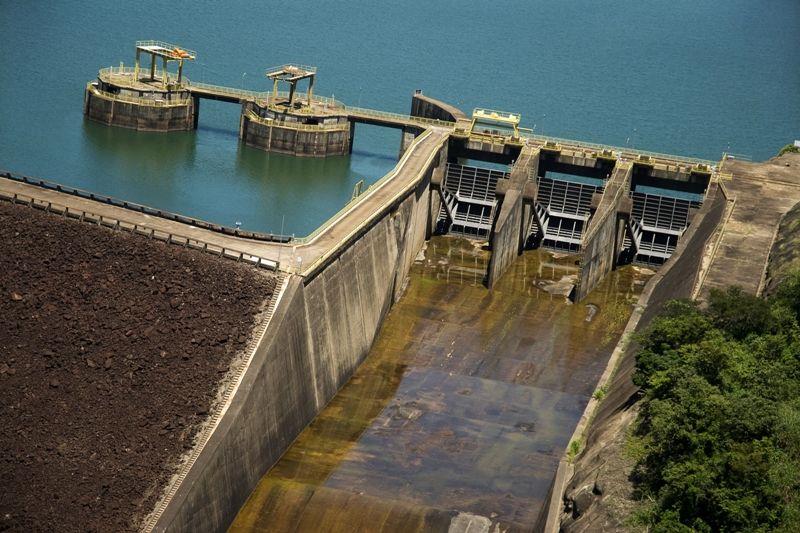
{"x": 562, "y": 209}
{"x": 469, "y": 200}
{"x": 657, "y": 222}
{"x": 661, "y": 212}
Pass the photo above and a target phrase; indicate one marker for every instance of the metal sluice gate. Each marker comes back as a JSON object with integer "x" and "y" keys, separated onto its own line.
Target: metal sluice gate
{"x": 656, "y": 224}
{"x": 469, "y": 200}
{"x": 562, "y": 210}
{"x": 561, "y": 213}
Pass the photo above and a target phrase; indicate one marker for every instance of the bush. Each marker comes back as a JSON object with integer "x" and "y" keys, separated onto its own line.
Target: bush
{"x": 720, "y": 421}
{"x": 789, "y": 148}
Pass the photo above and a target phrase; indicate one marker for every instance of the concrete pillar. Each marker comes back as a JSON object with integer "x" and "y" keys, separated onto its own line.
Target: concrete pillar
{"x": 164, "y": 76}
{"x": 152, "y": 67}
{"x": 406, "y": 138}
{"x": 243, "y": 122}
{"x": 507, "y": 236}
{"x": 196, "y": 109}
{"x": 136, "y": 66}
{"x": 601, "y": 237}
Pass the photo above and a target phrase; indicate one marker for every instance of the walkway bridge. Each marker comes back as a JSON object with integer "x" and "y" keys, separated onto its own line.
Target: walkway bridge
{"x": 124, "y": 76}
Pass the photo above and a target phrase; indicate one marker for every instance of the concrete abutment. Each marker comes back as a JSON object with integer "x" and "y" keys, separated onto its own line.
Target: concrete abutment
{"x": 509, "y": 229}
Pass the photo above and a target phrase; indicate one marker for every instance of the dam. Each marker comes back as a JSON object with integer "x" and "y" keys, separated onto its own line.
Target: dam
{"x": 642, "y": 201}
{"x": 352, "y": 395}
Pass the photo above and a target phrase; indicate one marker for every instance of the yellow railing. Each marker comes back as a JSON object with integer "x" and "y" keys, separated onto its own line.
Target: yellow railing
{"x": 167, "y": 46}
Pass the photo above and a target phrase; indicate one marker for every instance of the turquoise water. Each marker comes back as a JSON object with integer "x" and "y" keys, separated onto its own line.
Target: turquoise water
{"x": 693, "y": 77}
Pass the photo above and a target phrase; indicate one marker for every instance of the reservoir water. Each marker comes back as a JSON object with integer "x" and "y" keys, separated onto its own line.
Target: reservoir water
{"x": 687, "y": 77}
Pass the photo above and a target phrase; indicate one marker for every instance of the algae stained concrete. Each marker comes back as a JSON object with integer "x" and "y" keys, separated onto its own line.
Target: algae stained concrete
{"x": 461, "y": 410}
{"x": 763, "y": 193}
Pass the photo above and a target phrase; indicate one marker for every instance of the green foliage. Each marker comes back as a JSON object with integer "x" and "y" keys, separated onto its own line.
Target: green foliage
{"x": 573, "y": 450}
{"x": 600, "y": 393}
{"x": 789, "y": 148}
{"x": 718, "y": 435}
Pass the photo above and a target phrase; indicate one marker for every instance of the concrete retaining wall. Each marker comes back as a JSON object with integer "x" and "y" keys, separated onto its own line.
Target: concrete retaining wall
{"x": 600, "y": 242}
{"x": 139, "y": 117}
{"x": 508, "y": 233}
{"x": 322, "y": 329}
{"x": 505, "y": 236}
{"x": 427, "y": 107}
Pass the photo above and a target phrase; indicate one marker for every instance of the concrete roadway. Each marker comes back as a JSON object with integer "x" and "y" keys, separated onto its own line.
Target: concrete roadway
{"x": 299, "y": 258}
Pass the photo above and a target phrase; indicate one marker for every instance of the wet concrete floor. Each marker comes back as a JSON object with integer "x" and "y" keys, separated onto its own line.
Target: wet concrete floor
{"x": 463, "y": 406}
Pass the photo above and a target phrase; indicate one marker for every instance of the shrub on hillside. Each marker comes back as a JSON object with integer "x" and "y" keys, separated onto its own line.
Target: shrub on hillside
{"x": 720, "y": 420}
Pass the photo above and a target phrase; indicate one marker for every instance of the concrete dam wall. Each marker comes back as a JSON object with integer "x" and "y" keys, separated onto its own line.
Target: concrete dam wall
{"x": 324, "y": 325}
{"x": 427, "y": 107}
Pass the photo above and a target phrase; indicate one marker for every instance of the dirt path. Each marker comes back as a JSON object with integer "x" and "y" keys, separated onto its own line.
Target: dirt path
{"x": 111, "y": 351}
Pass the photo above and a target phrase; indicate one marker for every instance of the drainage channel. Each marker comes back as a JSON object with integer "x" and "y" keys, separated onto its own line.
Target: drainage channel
{"x": 462, "y": 409}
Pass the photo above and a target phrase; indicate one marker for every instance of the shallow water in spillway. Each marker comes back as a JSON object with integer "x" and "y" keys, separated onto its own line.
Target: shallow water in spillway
{"x": 465, "y": 403}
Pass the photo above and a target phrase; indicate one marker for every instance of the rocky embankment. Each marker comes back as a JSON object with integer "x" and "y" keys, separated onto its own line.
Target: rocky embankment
{"x": 785, "y": 254}
{"x": 112, "y": 350}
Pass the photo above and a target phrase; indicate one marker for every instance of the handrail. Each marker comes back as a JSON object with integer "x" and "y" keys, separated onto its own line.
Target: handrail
{"x": 168, "y": 46}
{"x": 621, "y": 151}
{"x": 140, "y": 229}
{"x": 133, "y": 206}
{"x": 339, "y": 126}
{"x": 136, "y": 99}
{"x": 219, "y": 89}
{"x": 398, "y": 117}
{"x": 523, "y": 135}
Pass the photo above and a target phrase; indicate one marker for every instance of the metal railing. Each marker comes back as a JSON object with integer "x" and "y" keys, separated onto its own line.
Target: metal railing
{"x": 136, "y": 99}
{"x": 353, "y": 201}
{"x": 629, "y": 152}
{"x": 525, "y": 135}
{"x": 140, "y": 229}
{"x": 397, "y": 117}
{"x": 242, "y": 94}
{"x": 139, "y": 208}
{"x": 105, "y": 74}
{"x": 166, "y": 45}
{"x": 299, "y": 126}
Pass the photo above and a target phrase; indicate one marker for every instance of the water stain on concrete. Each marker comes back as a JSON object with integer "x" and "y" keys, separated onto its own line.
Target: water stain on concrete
{"x": 461, "y": 410}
